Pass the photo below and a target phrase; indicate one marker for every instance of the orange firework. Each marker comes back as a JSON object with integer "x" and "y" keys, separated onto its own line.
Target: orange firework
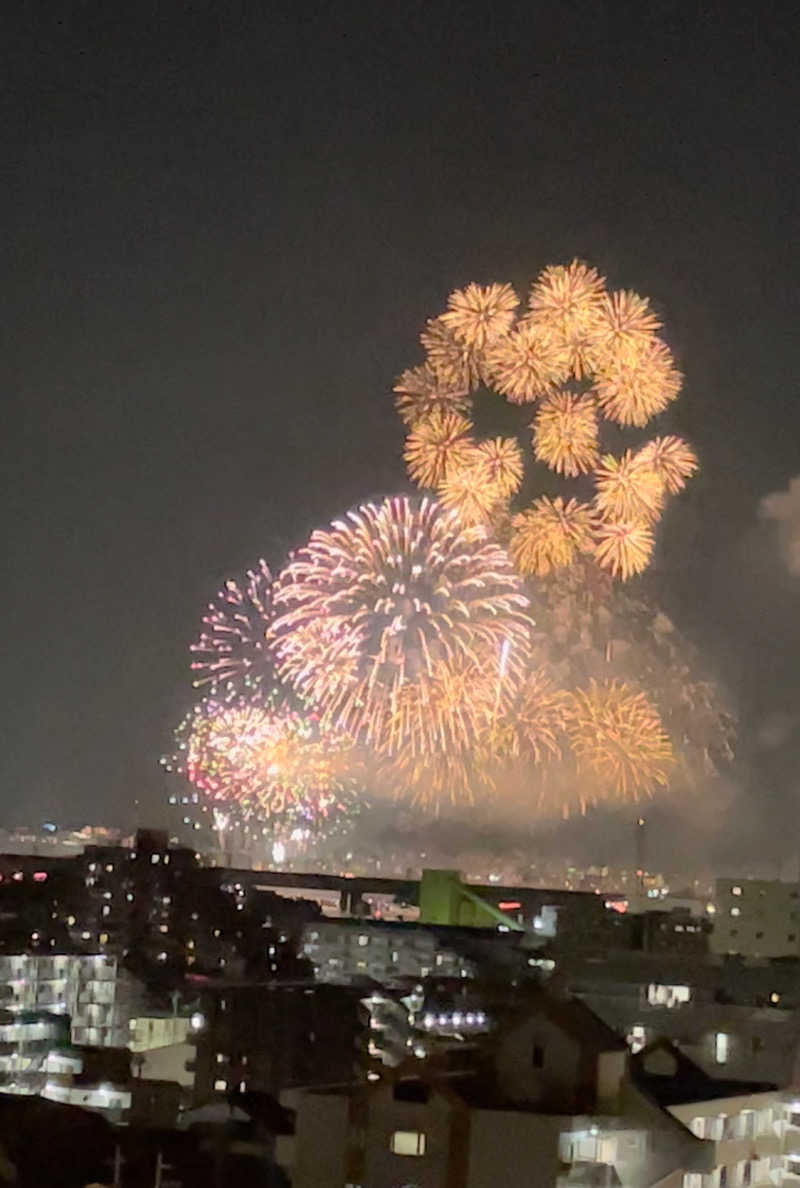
{"x": 420, "y": 391}
{"x": 625, "y": 323}
{"x": 672, "y": 459}
{"x": 565, "y": 433}
{"x": 480, "y": 314}
{"x": 452, "y": 360}
{"x": 550, "y": 535}
{"x": 470, "y": 491}
{"x": 628, "y": 488}
{"x": 501, "y": 461}
{"x": 633, "y": 386}
{"x": 624, "y": 548}
{"x": 402, "y": 591}
{"x": 617, "y": 737}
{"x": 437, "y": 446}
{"x": 527, "y": 363}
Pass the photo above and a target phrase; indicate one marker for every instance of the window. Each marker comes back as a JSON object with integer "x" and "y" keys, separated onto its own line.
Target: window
{"x": 759, "y": 936}
{"x": 735, "y": 911}
{"x": 407, "y": 1142}
{"x": 364, "y": 940}
{"x": 736, "y": 890}
{"x": 220, "y": 1086}
{"x": 792, "y": 936}
{"x": 721, "y": 1044}
{"x": 538, "y": 1056}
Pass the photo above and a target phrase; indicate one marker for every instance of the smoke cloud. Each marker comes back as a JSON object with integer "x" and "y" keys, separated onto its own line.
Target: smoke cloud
{"x": 784, "y": 508}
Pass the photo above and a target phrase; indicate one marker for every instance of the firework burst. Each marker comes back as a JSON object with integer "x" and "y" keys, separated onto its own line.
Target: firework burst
{"x": 550, "y": 534}
{"x": 527, "y": 364}
{"x": 565, "y": 434}
{"x": 566, "y": 302}
{"x": 405, "y": 590}
{"x": 633, "y": 386}
{"x": 449, "y": 357}
{"x": 480, "y": 314}
{"x": 420, "y": 392}
{"x": 623, "y": 548}
{"x": 437, "y": 447}
{"x": 618, "y": 740}
{"x": 671, "y": 459}
{"x": 231, "y": 648}
{"x": 625, "y": 324}
{"x": 628, "y": 489}
{"x": 265, "y": 762}
{"x": 501, "y": 462}
{"x": 471, "y": 491}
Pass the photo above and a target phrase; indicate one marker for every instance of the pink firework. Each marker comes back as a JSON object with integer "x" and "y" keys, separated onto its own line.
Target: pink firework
{"x": 231, "y": 651}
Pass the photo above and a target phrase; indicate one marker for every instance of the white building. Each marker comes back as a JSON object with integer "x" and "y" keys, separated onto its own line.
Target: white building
{"x": 93, "y": 994}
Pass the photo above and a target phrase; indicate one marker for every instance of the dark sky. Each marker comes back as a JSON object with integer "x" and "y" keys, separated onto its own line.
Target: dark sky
{"x": 223, "y": 228}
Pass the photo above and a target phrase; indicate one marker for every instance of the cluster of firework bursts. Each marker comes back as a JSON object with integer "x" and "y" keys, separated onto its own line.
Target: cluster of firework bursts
{"x": 402, "y": 647}
{"x": 583, "y": 358}
{"x": 259, "y": 767}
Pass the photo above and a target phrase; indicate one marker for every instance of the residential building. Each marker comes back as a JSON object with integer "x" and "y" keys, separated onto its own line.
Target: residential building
{"x": 548, "y": 1101}
{"x": 756, "y": 918}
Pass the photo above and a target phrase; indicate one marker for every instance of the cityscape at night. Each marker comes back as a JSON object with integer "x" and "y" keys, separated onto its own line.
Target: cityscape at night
{"x": 402, "y": 530}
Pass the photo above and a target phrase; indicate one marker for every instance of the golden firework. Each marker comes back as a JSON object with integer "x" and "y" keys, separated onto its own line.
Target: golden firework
{"x": 565, "y": 433}
{"x": 625, "y": 323}
{"x": 399, "y": 592}
{"x": 672, "y": 459}
{"x": 420, "y": 391}
{"x": 470, "y": 491}
{"x": 501, "y": 460}
{"x": 628, "y": 488}
{"x": 624, "y": 548}
{"x": 633, "y": 386}
{"x": 527, "y": 724}
{"x": 527, "y": 363}
{"x": 566, "y": 301}
{"x": 550, "y": 534}
{"x": 618, "y": 738}
{"x": 567, "y": 295}
{"x": 452, "y": 360}
{"x": 437, "y": 447}
{"x": 480, "y": 314}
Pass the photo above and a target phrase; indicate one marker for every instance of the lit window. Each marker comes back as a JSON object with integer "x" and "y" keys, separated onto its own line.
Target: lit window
{"x": 721, "y": 1043}
{"x": 774, "y": 996}
{"x": 105, "y": 909}
{"x": 736, "y": 911}
{"x": 220, "y": 1058}
{"x": 155, "y": 858}
{"x": 109, "y": 866}
{"x": 407, "y": 1142}
{"x": 364, "y": 940}
{"x": 220, "y": 1086}
{"x": 736, "y": 890}
{"x": 103, "y": 938}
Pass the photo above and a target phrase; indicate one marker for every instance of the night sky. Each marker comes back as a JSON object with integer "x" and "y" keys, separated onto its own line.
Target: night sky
{"x": 224, "y": 226}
